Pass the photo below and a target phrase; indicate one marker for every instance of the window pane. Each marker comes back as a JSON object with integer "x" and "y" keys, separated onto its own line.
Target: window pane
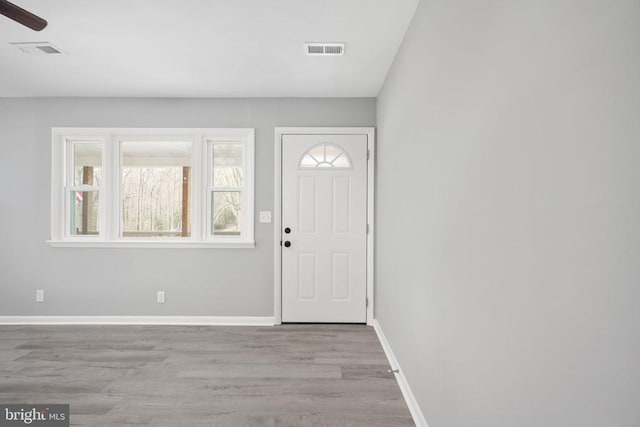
{"x": 308, "y": 161}
{"x": 227, "y": 165}
{"x": 84, "y": 213}
{"x": 331, "y": 152}
{"x": 227, "y": 177}
{"x": 342, "y": 161}
{"x": 87, "y": 164}
{"x": 225, "y": 213}
{"x": 156, "y": 189}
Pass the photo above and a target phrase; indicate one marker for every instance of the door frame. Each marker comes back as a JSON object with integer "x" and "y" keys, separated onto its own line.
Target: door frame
{"x": 277, "y": 207}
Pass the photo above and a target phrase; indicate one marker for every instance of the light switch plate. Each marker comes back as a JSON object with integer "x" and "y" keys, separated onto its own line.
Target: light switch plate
{"x": 265, "y": 217}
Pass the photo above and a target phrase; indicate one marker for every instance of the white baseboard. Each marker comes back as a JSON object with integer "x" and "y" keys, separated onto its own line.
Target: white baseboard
{"x": 137, "y": 320}
{"x": 414, "y": 408}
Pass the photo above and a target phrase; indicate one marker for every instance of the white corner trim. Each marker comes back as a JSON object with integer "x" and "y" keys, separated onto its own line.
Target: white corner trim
{"x": 409, "y": 398}
{"x": 138, "y": 320}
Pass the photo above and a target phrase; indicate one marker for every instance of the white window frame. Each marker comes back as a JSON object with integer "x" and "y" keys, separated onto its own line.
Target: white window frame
{"x": 110, "y": 203}
{"x": 246, "y": 192}
{"x": 68, "y": 184}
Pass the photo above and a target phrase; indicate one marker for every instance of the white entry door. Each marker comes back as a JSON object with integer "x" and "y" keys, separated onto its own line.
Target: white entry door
{"x": 324, "y": 228}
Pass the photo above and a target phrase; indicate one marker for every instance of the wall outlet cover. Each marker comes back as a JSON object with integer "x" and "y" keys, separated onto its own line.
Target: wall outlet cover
{"x": 265, "y": 217}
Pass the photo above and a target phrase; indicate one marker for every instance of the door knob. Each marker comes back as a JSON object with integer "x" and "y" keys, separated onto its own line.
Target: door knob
{"x": 287, "y": 230}
{"x": 287, "y": 244}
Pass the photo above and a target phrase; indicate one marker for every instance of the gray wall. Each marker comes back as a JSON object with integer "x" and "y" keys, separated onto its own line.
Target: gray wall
{"x": 508, "y": 212}
{"x": 198, "y": 282}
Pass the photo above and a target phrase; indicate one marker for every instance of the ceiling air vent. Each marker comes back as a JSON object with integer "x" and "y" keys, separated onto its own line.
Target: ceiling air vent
{"x": 324, "y": 49}
{"x": 37, "y": 48}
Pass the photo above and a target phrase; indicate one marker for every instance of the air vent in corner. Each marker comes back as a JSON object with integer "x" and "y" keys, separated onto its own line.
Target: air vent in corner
{"x": 324, "y": 49}
{"x": 37, "y": 48}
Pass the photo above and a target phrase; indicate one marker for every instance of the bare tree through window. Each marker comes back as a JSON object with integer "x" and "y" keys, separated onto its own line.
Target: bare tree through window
{"x": 153, "y": 197}
{"x": 226, "y": 197}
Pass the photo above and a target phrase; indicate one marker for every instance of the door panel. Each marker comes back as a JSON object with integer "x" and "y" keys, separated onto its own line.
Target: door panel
{"x": 324, "y": 203}
{"x": 341, "y": 204}
{"x": 307, "y": 278}
{"x": 307, "y": 204}
{"x": 341, "y": 276}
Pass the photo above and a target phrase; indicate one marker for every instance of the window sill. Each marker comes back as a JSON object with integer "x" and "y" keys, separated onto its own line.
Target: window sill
{"x": 151, "y": 244}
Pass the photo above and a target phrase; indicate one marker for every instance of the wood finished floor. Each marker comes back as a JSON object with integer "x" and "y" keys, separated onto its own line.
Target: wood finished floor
{"x": 289, "y": 375}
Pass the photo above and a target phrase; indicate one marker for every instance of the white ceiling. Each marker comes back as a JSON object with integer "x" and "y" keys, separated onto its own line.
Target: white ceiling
{"x": 203, "y": 48}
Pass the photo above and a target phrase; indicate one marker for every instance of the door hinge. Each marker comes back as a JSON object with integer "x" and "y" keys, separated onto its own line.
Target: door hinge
{"x": 367, "y": 228}
{"x": 368, "y": 154}
{"x": 366, "y": 302}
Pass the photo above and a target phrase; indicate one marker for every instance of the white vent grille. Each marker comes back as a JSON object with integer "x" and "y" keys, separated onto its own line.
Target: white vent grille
{"x": 324, "y": 49}
{"x": 37, "y": 48}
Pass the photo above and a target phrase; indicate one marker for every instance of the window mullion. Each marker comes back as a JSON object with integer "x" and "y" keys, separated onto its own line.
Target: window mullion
{"x": 113, "y": 169}
{"x": 68, "y": 180}
{"x": 205, "y": 175}
{"x": 207, "y": 228}
{"x": 196, "y": 185}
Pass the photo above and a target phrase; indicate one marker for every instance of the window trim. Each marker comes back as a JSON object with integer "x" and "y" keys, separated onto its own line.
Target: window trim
{"x": 110, "y": 203}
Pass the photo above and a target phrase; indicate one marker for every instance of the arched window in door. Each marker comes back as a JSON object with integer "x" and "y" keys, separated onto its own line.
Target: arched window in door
{"x": 325, "y": 155}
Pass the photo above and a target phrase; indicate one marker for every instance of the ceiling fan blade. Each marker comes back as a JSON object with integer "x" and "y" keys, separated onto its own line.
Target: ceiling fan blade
{"x": 22, "y": 16}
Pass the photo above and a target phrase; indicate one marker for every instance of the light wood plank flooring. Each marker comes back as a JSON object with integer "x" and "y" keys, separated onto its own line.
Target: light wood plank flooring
{"x": 289, "y": 375}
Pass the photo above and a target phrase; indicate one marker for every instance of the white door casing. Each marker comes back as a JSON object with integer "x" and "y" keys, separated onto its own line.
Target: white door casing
{"x": 324, "y": 208}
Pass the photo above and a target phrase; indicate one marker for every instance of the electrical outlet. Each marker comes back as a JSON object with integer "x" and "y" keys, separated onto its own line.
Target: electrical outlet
{"x": 40, "y": 295}
{"x": 160, "y": 297}
{"x": 265, "y": 217}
